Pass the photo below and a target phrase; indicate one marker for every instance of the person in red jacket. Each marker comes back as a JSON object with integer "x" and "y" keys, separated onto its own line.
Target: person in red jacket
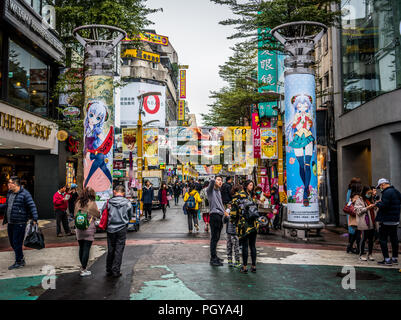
{"x": 60, "y": 203}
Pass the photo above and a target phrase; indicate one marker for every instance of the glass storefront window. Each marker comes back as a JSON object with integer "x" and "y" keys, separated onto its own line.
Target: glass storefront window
{"x": 371, "y": 49}
{"x": 36, "y": 5}
{"x": 27, "y": 80}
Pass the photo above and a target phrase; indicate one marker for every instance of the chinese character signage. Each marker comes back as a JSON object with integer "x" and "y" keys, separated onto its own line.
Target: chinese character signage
{"x": 267, "y": 73}
{"x": 141, "y": 54}
{"x": 181, "y": 110}
{"x": 183, "y": 84}
{"x": 256, "y": 136}
{"x": 151, "y": 37}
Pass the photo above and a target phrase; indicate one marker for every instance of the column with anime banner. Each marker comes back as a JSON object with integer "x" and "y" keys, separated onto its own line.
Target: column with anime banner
{"x": 99, "y": 42}
{"x": 99, "y": 135}
{"x": 300, "y": 131}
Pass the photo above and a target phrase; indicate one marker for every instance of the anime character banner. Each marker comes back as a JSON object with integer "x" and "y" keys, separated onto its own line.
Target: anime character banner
{"x": 151, "y": 146}
{"x": 99, "y": 135}
{"x": 268, "y": 137}
{"x": 300, "y": 130}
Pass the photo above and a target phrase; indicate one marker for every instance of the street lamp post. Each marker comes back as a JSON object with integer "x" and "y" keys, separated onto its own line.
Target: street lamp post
{"x": 99, "y": 42}
{"x": 300, "y": 125}
{"x": 139, "y": 139}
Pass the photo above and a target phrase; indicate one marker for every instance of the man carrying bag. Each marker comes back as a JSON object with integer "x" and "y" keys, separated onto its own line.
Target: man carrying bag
{"x": 18, "y": 209}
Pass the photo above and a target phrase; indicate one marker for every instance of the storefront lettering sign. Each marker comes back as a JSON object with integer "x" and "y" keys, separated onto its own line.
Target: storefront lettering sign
{"x": 15, "y": 10}
{"x": 25, "y": 127}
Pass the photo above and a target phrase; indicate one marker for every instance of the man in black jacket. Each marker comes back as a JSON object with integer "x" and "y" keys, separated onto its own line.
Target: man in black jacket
{"x": 18, "y": 209}
{"x": 389, "y": 219}
{"x": 226, "y": 191}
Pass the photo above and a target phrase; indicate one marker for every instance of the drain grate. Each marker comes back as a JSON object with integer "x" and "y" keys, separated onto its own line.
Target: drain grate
{"x": 361, "y": 275}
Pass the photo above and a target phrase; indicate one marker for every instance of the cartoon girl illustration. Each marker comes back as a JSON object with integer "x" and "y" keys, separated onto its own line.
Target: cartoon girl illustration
{"x": 303, "y": 140}
{"x": 95, "y": 143}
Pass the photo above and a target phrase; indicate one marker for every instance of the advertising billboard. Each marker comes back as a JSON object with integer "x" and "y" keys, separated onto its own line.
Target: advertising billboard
{"x": 183, "y": 84}
{"x": 154, "y": 107}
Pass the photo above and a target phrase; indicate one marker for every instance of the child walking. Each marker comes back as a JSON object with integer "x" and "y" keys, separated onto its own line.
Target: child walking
{"x": 232, "y": 241}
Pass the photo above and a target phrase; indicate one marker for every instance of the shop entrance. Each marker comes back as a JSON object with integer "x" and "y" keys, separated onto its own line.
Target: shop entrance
{"x": 22, "y": 166}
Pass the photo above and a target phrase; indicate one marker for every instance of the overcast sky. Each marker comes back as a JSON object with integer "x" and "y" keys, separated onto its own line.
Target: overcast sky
{"x": 201, "y": 43}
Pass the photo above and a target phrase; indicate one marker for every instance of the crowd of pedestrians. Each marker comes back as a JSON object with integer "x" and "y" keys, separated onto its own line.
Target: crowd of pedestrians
{"x": 370, "y": 217}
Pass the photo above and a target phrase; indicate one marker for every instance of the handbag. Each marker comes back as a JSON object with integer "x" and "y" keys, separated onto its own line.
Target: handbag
{"x": 349, "y": 209}
{"x": 104, "y": 218}
{"x": 169, "y": 198}
{"x": 34, "y": 238}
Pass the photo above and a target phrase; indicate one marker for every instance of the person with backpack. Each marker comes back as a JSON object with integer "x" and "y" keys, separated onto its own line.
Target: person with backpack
{"x": 192, "y": 200}
{"x": 120, "y": 212}
{"x": 85, "y": 214}
{"x": 244, "y": 214}
{"x": 18, "y": 209}
{"x": 205, "y": 209}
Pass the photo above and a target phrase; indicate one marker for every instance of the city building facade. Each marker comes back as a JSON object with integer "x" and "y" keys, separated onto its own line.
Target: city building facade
{"x": 30, "y": 51}
{"x": 367, "y": 93}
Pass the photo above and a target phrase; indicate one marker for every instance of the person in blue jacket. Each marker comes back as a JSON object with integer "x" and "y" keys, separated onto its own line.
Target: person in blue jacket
{"x": 18, "y": 209}
{"x": 147, "y": 199}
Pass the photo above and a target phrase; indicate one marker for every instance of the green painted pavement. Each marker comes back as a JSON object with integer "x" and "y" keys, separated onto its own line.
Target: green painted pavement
{"x": 170, "y": 288}
{"x": 283, "y": 282}
{"x": 18, "y": 288}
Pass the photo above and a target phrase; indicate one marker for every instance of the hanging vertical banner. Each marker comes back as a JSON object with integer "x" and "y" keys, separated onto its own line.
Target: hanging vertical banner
{"x": 99, "y": 135}
{"x": 268, "y": 141}
{"x": 300, "y": 132}
{"x": 267, "y": 74}
{"x": 151, "y": 146}
{"x": 256, "y": 136}
{"x": 181, "y": 110}
{"x": 129, "y": 141}
{"x": 183, "y": 84}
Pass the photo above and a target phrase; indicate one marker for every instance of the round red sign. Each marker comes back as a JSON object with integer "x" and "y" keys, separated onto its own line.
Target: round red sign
{"x": 151, "y": 106}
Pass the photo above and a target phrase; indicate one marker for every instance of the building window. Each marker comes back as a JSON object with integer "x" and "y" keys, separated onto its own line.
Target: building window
{"x": 36, "y": 5}
{"x": 1, "y": 64}
{"x": 371, "y": 51}
{"x": 27, "y": 80}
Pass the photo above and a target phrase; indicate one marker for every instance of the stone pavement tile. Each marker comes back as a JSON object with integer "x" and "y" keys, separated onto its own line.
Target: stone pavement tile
{"x": 64, "y": 259}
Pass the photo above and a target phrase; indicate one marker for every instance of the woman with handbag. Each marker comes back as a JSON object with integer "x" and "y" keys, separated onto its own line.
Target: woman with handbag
{"x": 354, "y": 188}
{"x": 86, "y": 203}
{"x": 365, "y": 216}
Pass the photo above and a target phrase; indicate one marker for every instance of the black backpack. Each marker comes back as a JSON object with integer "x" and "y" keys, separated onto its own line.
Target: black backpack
{"x": 250, "y": 210}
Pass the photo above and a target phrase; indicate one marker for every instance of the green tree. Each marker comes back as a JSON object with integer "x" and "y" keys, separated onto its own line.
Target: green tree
{"x": 268, "y": 14}
{"x": 129, "y": 15}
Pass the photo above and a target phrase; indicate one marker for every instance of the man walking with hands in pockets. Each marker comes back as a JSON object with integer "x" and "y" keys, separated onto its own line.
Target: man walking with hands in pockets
{"x": 216, "y": 217}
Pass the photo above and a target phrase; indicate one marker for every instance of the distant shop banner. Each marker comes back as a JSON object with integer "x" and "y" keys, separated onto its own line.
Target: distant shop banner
{"x": 183, "y": 84}
{"x": 181, "y": 110}
{"x": 268, "y": 141}
{"x": 256, "y": 136}
{"x": 300, "y": 132}
{"x": 154, "y": 107}
{"x": 129, "y": 140}
{"x": 150, "y": 37}
{"x": 151, "y": 146}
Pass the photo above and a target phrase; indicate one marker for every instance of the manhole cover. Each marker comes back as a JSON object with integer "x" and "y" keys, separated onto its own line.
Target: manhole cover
{"x": 361, "y": 275}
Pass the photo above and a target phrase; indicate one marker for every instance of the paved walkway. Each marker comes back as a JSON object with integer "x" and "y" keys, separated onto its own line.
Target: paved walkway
{"x": 162, "y": 261}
